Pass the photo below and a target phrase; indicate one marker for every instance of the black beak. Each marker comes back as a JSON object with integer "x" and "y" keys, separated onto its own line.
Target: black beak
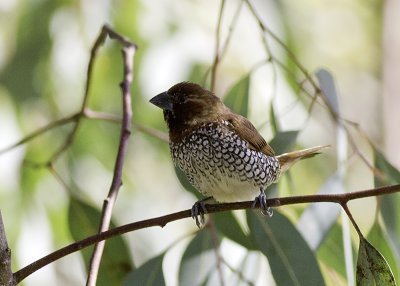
{"x": 163, "y": 101}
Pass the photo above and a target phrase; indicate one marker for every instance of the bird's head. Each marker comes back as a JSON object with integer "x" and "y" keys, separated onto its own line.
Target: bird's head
{"x": 187, "y": 104}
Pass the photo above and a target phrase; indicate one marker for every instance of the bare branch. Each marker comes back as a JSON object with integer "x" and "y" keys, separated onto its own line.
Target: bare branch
{"x": 217, "y": 47}
{"x": 128, "y": 53}
{"x": 161, "y": 221}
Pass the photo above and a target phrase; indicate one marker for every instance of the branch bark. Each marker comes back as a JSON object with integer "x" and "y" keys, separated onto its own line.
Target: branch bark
{"x": 161, "y": 221}
{"x": 6, "y": 275}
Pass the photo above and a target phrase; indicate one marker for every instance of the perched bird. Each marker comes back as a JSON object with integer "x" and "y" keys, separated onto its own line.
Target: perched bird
{"x": 221, "y": 152}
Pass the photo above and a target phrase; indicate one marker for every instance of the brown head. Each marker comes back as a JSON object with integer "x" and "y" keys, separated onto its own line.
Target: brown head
{"x": 186, "y": 105}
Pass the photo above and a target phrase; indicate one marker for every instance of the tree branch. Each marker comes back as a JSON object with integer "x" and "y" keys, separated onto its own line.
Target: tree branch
{"x": 128, "y": 53}
{"x": 161, "y": 221}
{"x": 6, "y": 275}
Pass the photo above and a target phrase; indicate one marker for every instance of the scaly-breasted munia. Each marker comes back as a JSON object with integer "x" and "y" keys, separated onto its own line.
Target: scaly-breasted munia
{"x": 221, "y": 152}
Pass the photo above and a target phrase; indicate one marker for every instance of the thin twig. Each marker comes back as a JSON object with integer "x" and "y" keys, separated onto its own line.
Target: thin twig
{"x": 42, "y": 130}
{"x": 161, "y": 221}
{"x": 152, "y": 132}
{"x": 350, "y": 216}
{"x": 217, "y": 40}
{"x": 128, "y": 53}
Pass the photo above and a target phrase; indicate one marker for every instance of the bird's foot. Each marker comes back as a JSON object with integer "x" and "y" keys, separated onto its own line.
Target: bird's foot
{"x": 198, "y": 211}
{"x": 261, "y": 199}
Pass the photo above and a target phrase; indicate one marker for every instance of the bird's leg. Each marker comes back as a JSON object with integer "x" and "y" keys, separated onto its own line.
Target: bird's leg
{"x": 262, "y": 200}
{"x": 198, "y": 210}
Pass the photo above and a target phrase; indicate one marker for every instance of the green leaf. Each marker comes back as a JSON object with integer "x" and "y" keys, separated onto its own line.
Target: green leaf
{"x": 331, "y": 251}
{"x": 84, "y": 221}
{"x": 327, "y": 84}
{"x": 392, "y": 174}
{"x": 378, "y": 237}
{"x": 237, "y": 99}
{"x": 149, "y": 274}
{"x": 317, "y": 219}
{"x": 291, "y": 260}
{"x": 186, "y": 184}
{"x": 198, "y": 260}
{"x": 284, "y": 141}
{"x": 372, "y": 268}
{"x": 272, "y": 118}
{"x": 389, "y": 203}
{"x": 228, "y": 225}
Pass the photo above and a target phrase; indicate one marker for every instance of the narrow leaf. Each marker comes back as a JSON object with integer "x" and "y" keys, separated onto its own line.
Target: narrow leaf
{"x": 198, "y": 260}
{"x": 149, "y": 274}
{"x": 331, "y": 252}
{"x": 378, "y": 237}
{"x": 284, "y": 141}
{"x": 318, "y": 219}
{"x": 327, "y": 84}
{"x": 84, "y": 221}
{"x": 372, "y": 268}
{"x": 237, "y": 98}
{"x": 272, "y": 118}
{"x": 389, "y": 203}
{"x": 291, "y": 260}
{"x": 228, "y": 225}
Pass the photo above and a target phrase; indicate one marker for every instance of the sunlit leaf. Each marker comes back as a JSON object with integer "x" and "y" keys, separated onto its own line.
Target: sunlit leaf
{"x": 237, "y": 97}
{"x": 198, "y": 260}
{"x": 149, "y": 274}
{"x": 284, "y": 141}
{"x": 272, "y": 118}
{"x": 84, "y": 221}
{"x": 331, "y": 251}
{"x": 389, "y": 204}
{"x": 377, "y": 237}
{"x": 372, "y": 268}
{"x": 317, "y": 219}
{"x": 291, "y": 260}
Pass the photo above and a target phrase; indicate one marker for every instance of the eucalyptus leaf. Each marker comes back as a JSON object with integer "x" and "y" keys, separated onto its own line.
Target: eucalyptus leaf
{"x": 372, "y": 268}
{"x": 274, "y": 121}
{"x": 389, "y": 204}
{"x": 378, "y": 237}
{"x": 149, "y": 274}
{"x": 284, "y": 141}
{"x": 327, "y": 84}
{"x": 331, "y": 251}
{"x": 291, "y": 260}
{"x": 228, "y": 225}
{"x": 198, "y": 260}
{"x": 237, "y": 98}
{"x": 317, "y": 219}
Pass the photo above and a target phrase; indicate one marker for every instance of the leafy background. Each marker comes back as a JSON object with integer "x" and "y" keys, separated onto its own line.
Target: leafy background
{"x": 44, "y": 50}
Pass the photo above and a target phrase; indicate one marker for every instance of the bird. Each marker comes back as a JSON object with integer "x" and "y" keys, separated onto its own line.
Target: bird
{"x": 221, "y": 153}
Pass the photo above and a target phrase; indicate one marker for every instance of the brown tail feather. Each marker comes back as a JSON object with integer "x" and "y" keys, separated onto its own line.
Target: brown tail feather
{"x": 286, "y": 160}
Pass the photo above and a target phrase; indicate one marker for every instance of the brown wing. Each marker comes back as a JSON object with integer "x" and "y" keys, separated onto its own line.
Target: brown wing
{"x": 248, "y": 132}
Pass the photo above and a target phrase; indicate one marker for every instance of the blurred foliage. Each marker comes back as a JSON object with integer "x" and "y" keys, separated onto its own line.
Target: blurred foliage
{"x": 45, "y": 47}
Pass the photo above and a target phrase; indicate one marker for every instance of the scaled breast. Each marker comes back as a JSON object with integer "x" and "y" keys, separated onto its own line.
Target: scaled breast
{"x": 215, "y": 159}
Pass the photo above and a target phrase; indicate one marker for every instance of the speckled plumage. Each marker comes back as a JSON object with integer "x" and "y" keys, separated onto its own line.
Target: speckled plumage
{"x": 220, "y": 164}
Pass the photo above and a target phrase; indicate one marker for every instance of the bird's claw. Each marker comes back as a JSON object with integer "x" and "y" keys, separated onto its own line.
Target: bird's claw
{"x": 198, "y": 211}
{"x": 261, "y": 199}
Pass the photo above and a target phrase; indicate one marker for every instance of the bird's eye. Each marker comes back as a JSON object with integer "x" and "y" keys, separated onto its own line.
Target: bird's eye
{"x": 180, "y": 98}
